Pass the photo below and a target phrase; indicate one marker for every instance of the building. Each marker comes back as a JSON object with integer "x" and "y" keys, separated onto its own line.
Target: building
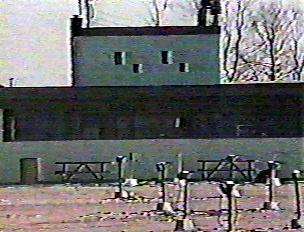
{"x": 145, "y": 56}
{"x": 97, "y": 123}
{"x": 153, "y": 91}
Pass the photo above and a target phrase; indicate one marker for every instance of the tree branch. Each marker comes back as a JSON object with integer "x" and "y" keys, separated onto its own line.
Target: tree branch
{"x": 239, "y": 27}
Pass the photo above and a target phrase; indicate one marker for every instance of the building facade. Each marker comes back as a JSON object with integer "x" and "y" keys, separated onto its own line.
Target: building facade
{"x": 159, "y": 112}
{"x": 145, "y": 56}
{"x": 202, "y": 122}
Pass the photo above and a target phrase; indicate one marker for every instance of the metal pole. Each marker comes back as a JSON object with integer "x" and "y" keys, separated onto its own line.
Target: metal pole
{"x": 184, "y": 176}
{"x": 185, "y": 199}
{"x": 119, "y": 160}
{"x": 131, "y": 160}
{"x": 161, "y": 168}
{"x": 231, "y": 170}
{"x": 272, "y": 170}
{"x": 295, "y": 176}
{"x": 250, "y": 169}
{"x": 231, "y": 159}
{"x": 296, "y": 222}
{"x": 185, "y": 224}
{"x": 229, "y": 189}
{"x": 163, "y": 185}
{"x": 204, "y": 173}
{"x": 270, "y": 204}
{"x": 120, "y": 177}
{"x": 180, "y": 164}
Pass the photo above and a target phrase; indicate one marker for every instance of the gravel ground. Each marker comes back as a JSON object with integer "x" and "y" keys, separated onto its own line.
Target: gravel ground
{"x": 84, "y": 208}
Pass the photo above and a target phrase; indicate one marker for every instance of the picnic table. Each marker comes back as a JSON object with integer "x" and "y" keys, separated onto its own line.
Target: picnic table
{"x": 70, "y": 169}
{"x": 229, "y": 164}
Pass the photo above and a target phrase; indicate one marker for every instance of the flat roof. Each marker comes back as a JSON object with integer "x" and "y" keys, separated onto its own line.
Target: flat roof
{"x": 27, "y": 94}
{"x": 141, "y": 31}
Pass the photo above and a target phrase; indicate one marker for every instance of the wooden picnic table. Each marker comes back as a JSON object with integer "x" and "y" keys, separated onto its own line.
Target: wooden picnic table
{"x": 70, "y": 169}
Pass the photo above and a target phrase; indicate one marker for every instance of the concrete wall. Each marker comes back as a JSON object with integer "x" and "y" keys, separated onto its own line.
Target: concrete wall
{"x": 94, "y": 60}
{"x": 288, "y": 150}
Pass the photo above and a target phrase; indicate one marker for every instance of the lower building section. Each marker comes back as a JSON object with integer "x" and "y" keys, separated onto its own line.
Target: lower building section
{"x": 14, "y": 155}
{"x": 167, "y": 112}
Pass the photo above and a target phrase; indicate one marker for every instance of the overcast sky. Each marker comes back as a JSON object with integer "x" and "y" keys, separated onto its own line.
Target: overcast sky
{"x": 34, "y": 35}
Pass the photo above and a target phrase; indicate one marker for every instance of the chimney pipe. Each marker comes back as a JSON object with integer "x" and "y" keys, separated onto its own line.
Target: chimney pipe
{"x": 11, "y": 82}
{"x": 80, "y": 7}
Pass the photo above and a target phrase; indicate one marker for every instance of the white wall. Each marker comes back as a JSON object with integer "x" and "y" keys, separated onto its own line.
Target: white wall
{"x": 288, "y": 150}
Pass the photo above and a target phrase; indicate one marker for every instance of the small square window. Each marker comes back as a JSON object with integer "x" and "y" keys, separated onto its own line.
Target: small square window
{"x": 137, "y": 68}
{"x": 167, "y": 57}
{"x": 120, "y": 58}
{"x": 184, "y": 67}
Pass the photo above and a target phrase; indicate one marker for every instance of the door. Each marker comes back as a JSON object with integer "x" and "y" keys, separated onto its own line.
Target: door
{"x": 30, "y": 170}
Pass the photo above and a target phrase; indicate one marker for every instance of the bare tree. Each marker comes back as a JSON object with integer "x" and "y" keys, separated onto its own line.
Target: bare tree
{"x": 261, "y": 44}
{"x": 298, "y": 57}
{"x": 274, "y": 34}
{"x": 156, "y": 11}
{"x": 233, "y": 29}
{"x": 201, "y": 7}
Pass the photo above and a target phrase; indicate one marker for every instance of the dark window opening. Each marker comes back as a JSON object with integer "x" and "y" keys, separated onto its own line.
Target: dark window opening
{"x": 184, "y": 67}
{"x": 167, "y": 57}
{"x": 137, "y": 68}
{"x": 120, "y": 58}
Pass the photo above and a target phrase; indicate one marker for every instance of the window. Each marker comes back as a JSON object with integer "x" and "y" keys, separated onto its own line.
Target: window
{"x": 137, "y": 68}
{"x": 184, "y": 67}
{"x": 167, "y": 57}
{"x": 120, "y": 58}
